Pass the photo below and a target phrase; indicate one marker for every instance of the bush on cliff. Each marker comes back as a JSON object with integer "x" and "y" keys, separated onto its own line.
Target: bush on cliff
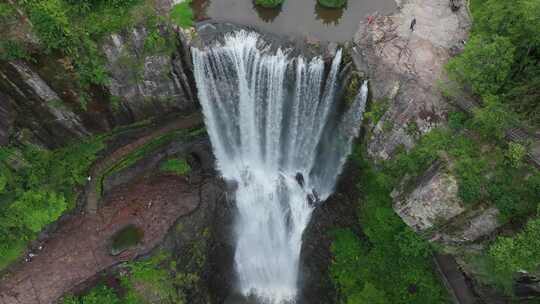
{"x": 269, "y": 3}
{"x": 333, "y": 3}
{"x": 182, "y": 14}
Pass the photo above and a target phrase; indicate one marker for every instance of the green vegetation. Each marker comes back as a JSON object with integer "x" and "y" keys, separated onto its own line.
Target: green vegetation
{"x": 12, "y": 50}
{"x": 501, "y": 60}
{"x": 75, "y": 29}
{"x": 178, "y": 166}
{"x": 98, "y": 295}
{"x": 376, "y": 111}
{"x": 138, "y": 154}
{"x": 153, "y": 280}
{"x": 352, "y": 88}
{"x": 182, "y": 14}
{"x": 269, "y": 3}
{"x": 508, "y": 255}
{"x": 127, "y": 237}
{"x": 500, "y": 65}
{"x": 390, "y": 264}
{"x": 333, "y": 3}
{"x": 487, "y": 171}
{"x": 37, "y": 187}
{"x": 157, "y": 276}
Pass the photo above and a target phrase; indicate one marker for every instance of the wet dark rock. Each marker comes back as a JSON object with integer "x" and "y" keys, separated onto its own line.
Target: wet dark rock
{"x": 299, "y": 179}
{"x": 315, "y": 259}
{"x": 527, "y": 286}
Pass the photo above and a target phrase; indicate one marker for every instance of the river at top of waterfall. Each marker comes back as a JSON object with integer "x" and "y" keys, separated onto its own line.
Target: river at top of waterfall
{"x": 276, "y": 133}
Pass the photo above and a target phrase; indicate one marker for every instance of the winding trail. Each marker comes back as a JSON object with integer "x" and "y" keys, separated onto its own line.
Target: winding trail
{"x": 92, "y": 197}
{"x": 79, "y": 248}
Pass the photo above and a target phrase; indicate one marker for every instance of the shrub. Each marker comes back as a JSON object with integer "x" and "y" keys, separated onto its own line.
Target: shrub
{"x": 485, "y": 65}
{"x": 493, "y": 118}
{"x": 182, "y": 14}
{"x": 333, "y": 3}
{"x": 39, "y": 191}
{"x": 515, "y": 154}
{"x": 98, "y": 295}
{"x": 269, "y": 3}
{"x": 502, "y": 55}
{"x": 7, "y": 13}
{"x": 176, "y": 166}
{"x": 509, "y": 255}
{"x": 456, "y": 120}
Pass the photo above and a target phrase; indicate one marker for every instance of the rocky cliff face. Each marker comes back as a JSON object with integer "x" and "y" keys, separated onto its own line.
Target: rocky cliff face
{"x": 404, "y": 55}
{"x": 147, "y": 84}
{"x": 40, "y": 103}
{"x": 35, "y": 106}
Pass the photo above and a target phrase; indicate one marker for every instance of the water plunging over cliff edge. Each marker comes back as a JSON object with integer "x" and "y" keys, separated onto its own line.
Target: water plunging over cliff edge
{"x": 275, "y": 131}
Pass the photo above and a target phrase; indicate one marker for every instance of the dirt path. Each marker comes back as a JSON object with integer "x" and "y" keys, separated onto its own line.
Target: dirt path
{"x": 92, "y": 197}
{"x": 79, "y": 249}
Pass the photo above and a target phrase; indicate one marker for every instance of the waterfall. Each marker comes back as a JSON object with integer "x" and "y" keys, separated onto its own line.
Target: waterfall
{"x": 274, "y": 128}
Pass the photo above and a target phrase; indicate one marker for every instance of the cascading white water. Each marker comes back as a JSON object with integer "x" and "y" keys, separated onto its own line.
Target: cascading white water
{"x": 267, "y": 115}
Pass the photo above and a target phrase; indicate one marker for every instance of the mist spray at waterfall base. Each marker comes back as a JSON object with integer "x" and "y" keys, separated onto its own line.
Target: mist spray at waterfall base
{"x": 273, "y": 123}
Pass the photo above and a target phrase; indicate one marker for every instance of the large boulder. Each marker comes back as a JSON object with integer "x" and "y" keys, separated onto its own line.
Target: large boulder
{"x": 433, "y": 201}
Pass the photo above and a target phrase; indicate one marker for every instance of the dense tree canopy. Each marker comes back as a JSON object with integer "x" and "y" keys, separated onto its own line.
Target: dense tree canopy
{"x": 502, "y": 58}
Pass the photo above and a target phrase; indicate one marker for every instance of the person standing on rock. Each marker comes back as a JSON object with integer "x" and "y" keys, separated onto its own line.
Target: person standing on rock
{"x": 413, "y": 24}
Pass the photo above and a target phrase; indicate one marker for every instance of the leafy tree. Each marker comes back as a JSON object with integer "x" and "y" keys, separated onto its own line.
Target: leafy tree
{"x": 522, "y": 252}
{"x": 333, "y": 3}
{"x": 269, "y": 3}
{"x": 502, "y": 57}
{"x": 35, "y": 209}
{"x": 493, "y": 118}
{"x": 182, "y": 14}
{"x": 485, "y": 64}
{"x": 39, "y": 191}
{"x": 391, "y": 264}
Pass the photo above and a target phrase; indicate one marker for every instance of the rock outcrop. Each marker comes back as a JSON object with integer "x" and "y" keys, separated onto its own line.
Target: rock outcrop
{"x": 36, "y": 106}
{"x": 404, "y": 67}
{"x": 433, "y": 202}
{"x": 42, "y": 103}
{"x": 147, "y": 84}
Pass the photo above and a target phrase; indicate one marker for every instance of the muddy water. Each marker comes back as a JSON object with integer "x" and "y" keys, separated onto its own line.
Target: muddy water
{"x": 300, "y": 18}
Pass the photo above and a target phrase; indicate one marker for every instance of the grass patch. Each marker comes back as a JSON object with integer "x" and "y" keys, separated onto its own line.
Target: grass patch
{"x": 178, "y": 166}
